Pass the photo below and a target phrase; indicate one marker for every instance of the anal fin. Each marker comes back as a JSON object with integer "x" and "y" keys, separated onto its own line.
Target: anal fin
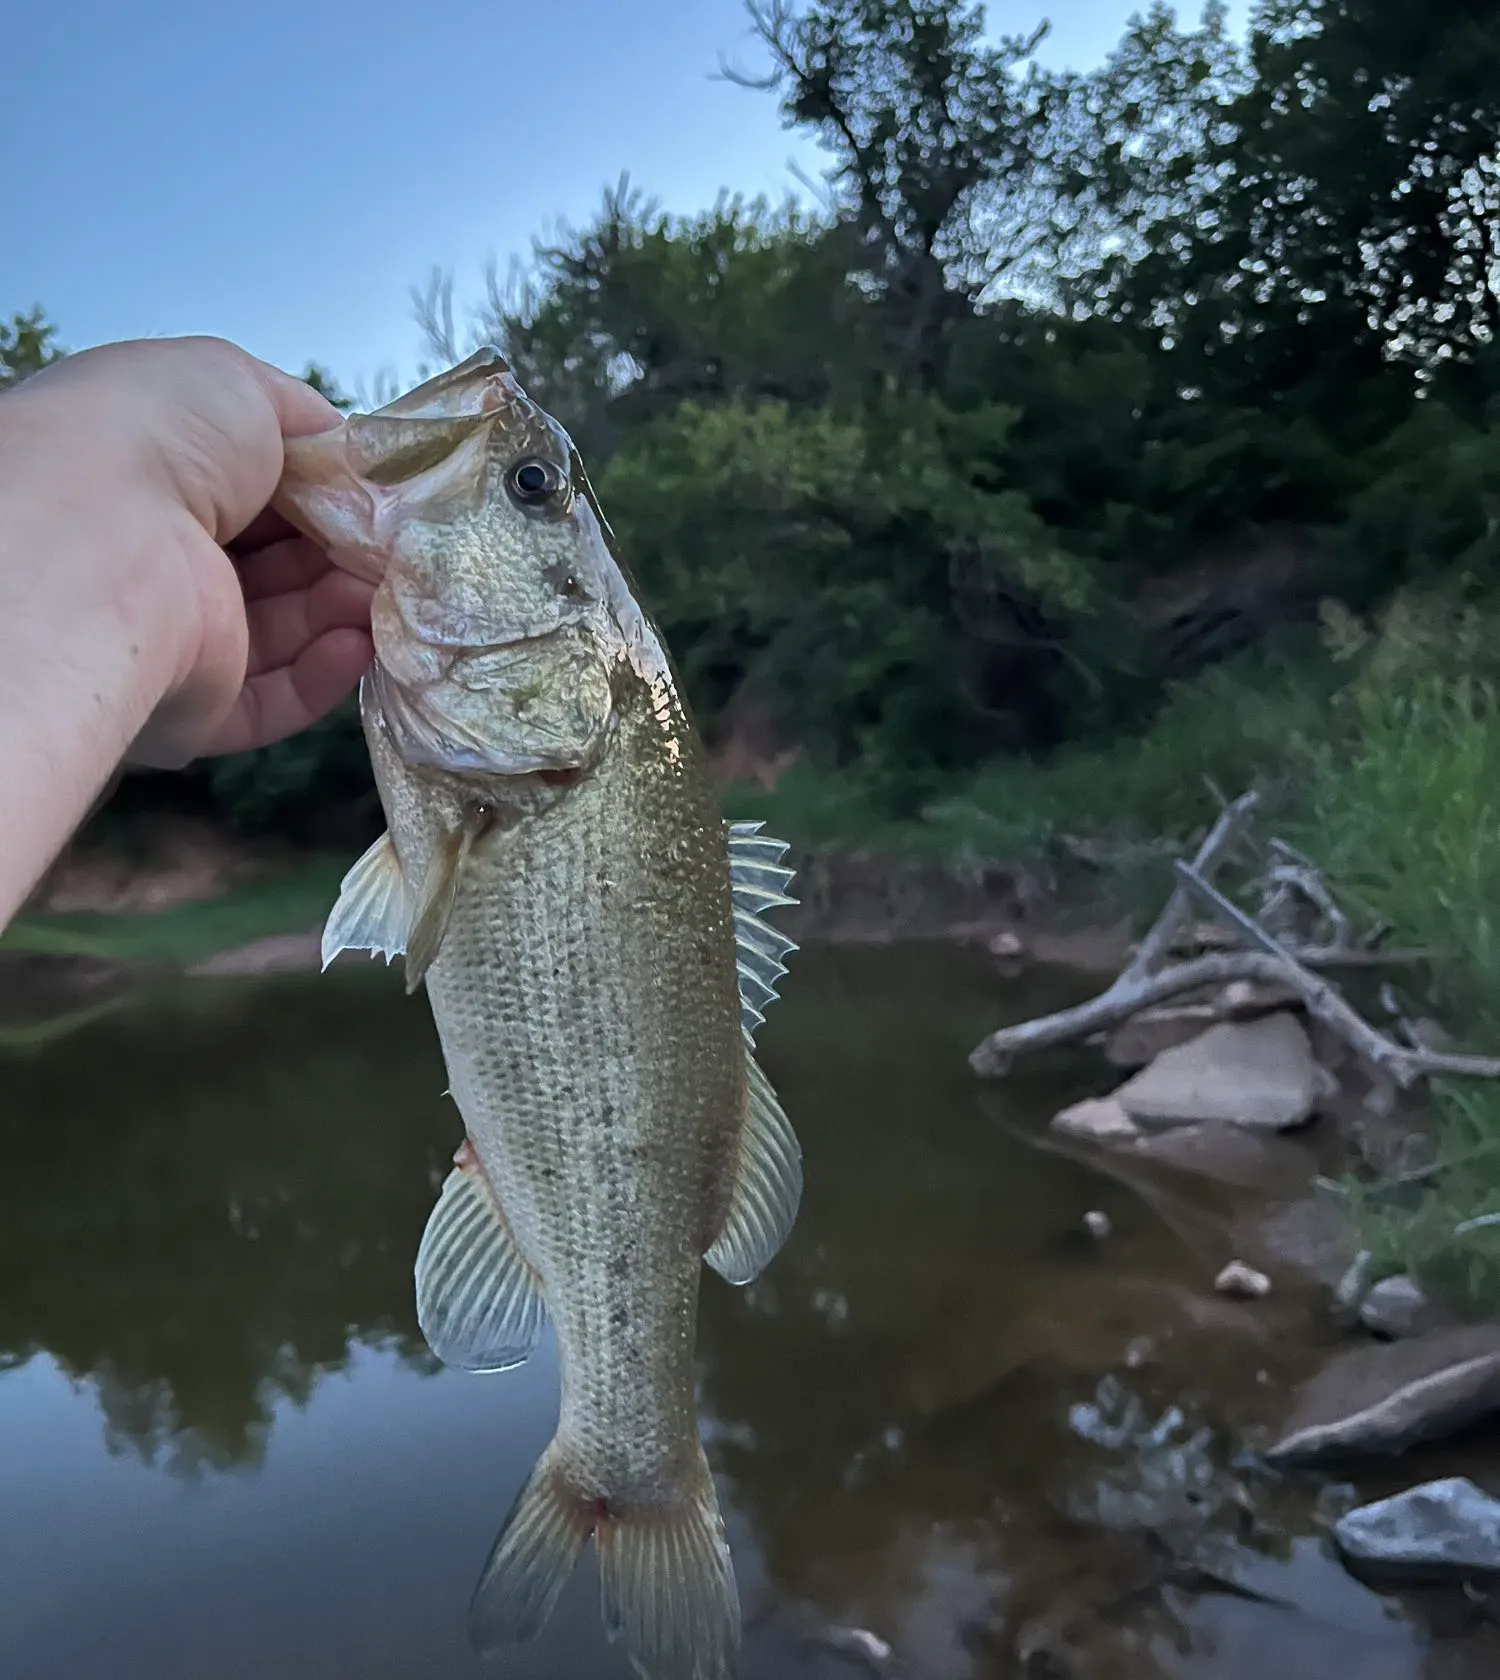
{"x": 767, "y": 1186}
{"x": 478, "y": 1302}
{"x": 372, "y": 912}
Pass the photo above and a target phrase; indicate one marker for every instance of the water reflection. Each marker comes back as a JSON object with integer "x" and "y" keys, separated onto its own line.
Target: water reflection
{"x": 208, "y": 1197}
{"x": 944, "y": 1414}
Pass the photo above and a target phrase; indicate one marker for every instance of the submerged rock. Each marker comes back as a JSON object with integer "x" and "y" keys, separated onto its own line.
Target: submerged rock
{"x": 1232, "y": 1155}
{"x": 1389, "y": 1397}
{"x": 1101, "y": 1119}
{"x": 1258, "y": 1073}
{"x": 1397, "y": 1306}
{"x": 1450, "y": 1525}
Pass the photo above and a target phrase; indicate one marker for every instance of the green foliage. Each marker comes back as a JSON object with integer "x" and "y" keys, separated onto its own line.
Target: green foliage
{"x": 27, "y": 343}
{"x": 282, "y": 788}
{"x": 870, "y": 577}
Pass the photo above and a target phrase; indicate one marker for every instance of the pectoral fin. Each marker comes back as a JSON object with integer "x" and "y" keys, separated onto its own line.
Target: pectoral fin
{"x": 372, "y": 912}
{"x": 439, "y": 894}
{"x": 478, "y": 1302}
{"x": 767, "y": 1186}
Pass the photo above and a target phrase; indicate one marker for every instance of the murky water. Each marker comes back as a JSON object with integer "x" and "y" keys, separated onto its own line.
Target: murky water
{"x": 944, "y": 1414}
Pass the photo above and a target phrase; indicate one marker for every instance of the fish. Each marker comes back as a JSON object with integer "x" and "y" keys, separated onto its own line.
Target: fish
{"x": 595, "y": 945}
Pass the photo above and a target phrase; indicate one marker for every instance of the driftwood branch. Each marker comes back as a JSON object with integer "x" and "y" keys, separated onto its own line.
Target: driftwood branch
{"x": 1154, "y": 976}
{"x": 1220, "y": 840}
{"x": 1322, "y": 1001}
{"x": 1121, "y": 1001}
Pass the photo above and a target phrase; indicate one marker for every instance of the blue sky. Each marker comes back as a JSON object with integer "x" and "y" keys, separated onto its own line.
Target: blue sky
{"x": 283, "y": 173}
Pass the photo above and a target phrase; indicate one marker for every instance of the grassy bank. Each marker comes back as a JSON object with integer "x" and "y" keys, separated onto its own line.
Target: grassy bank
{"x": 290, "y": 898}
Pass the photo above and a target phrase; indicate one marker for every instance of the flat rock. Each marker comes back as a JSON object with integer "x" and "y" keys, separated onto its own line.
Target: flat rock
{"x": 1388, "y": 1397}
{"x": 1397, "y": 1306}
{"x": 1100, "y": 1119}
{"x": 1250, "y": 1073}
{"x": 1144, "y": 1037}
{"x": 1450, "y": 1525}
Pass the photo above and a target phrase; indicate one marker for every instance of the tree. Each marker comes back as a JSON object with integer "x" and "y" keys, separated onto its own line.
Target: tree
{"x": 622, "y": 319}
{"x": 28, "y": 342}
{"x": 940, "y": 147}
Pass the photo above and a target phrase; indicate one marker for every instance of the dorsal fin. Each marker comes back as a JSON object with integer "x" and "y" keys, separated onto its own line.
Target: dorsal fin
{"x": 758, "y": 881}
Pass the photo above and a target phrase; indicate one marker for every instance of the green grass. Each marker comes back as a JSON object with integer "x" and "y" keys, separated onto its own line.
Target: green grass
{"x": 1230, "y": 727}
{"x": 290, "y": 899}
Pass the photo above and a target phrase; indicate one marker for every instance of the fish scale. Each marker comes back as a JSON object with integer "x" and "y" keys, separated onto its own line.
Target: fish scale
{"x": 592, "y": 941}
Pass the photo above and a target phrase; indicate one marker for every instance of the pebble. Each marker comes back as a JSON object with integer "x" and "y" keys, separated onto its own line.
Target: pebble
{"x": 1244, "y": 1281}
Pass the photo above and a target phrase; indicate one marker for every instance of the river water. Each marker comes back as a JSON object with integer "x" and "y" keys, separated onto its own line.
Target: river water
{"x": 945, "y": 1414}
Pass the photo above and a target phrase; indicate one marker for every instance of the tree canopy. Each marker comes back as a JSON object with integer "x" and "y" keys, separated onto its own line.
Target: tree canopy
{"x": 1065, "y": 384}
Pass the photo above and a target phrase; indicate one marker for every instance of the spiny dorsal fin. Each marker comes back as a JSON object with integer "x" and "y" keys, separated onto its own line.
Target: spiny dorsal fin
{"x": 372, "y": 912}
{"x": 767, "y": 1185}
{"x": 758, "y": 881}
{"x": 478, "y": 1302}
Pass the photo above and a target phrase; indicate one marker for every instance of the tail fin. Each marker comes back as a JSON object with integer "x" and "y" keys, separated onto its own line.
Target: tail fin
{"x": 666, "y": 1575}
{"x": 668, "y": 1586}
{"x": 532, "y": 1559}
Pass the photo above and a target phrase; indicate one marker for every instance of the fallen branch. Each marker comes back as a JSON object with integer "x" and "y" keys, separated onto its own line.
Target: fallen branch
{"x": 1323, "y": 1002}
{"x": 1153, "y": 949}
{"x": 1130, "y": 996}
{"x": 1152, "y": 977}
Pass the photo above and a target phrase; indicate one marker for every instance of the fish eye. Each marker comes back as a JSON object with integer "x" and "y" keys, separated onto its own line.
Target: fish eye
{"x": 533, "y": 482}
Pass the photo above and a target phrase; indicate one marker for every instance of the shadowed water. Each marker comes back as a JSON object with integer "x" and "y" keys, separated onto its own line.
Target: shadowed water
{"x": 944, "y": 1414}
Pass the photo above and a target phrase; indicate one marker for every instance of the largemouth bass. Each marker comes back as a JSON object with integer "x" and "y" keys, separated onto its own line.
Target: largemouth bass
{"x": 591, "y": 936}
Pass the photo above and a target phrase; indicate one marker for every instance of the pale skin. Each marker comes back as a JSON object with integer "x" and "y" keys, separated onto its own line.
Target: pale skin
{"x": 152, "y": 611}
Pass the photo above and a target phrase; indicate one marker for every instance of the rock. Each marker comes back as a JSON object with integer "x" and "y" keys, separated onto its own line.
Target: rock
{"x": 1261, "y": 1161}
{"x": 1427, "y": 1034}
{"x": 1312, "y": 1235}
{"x": 1097, "y": 1224}
{"x": 1397, "y": 1306}
{"x": 1242, "y": 1281}
{"x": 1330, "y": 1050}
{"x": 1099, "y": 1118}
{"x": 1443, "y": 1526}
{"x": 1253, "y": 1073}
{"x": 1145, "y": 1036}
{"x": 1352, "y": 1287}
{"x": 1243, "y": 1000}
{"x": 1385, "y": 1398}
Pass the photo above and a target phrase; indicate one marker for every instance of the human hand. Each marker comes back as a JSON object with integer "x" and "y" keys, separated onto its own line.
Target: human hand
{"x": 170, "y": 450}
